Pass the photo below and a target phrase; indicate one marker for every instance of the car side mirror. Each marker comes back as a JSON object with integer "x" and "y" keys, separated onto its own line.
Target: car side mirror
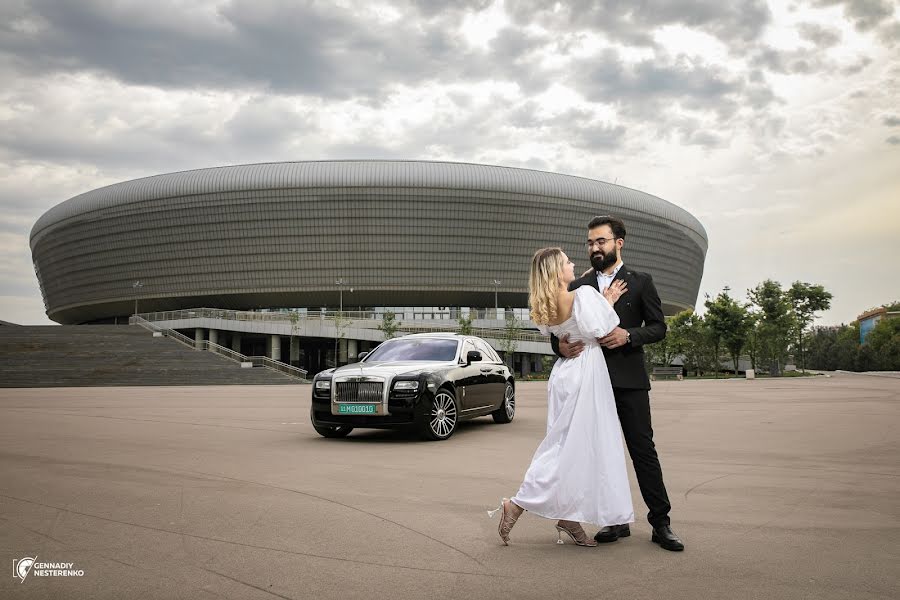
{"x": 361, "y": 356}
{"x": 473, "y": 356}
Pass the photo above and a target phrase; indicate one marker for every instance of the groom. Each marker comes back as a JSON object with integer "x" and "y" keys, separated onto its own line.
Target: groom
{"x": 641, "y": 322}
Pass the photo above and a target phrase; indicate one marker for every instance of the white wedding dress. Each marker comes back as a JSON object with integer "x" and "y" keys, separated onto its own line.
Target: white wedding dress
{"x": 578, "y": 472}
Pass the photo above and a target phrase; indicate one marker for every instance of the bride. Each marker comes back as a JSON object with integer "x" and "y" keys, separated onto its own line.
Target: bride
{"x": 578, "y": 472}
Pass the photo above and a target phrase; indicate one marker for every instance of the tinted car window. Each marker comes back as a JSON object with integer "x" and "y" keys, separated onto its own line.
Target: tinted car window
{"x": 487, "y": 351}
{"x": 414, "y": 349}
{"x": 468, "y": 347}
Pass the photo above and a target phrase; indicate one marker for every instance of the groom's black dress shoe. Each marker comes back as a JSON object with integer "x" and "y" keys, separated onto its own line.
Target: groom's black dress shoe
{"x": 665, "y": 537}
{"x": 611, "y": 533}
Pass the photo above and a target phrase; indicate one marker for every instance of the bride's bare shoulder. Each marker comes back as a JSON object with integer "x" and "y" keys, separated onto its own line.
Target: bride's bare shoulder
{"x": 564, "y": 303}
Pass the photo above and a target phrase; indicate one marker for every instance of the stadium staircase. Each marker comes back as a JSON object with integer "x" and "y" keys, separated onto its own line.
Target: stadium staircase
{"x": 112, "y": 355}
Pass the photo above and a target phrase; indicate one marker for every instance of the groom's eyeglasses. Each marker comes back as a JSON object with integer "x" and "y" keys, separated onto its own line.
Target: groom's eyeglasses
{"x": 598, "y": 242}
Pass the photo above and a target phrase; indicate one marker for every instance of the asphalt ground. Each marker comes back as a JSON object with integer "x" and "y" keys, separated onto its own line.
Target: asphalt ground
{"x": 781, "y": 489}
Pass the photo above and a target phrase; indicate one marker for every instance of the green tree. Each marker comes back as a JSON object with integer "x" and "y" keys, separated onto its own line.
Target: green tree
{"x": 820, "y": 343}
{"x": 465, "y": 324}
{"x": 806, "y": 300}
{"x": 341, "y": 323}
{"x": 295, "y": 329}
{"x": 729, "y": 327}
{"x": 511, "y": 331}
{"x": 846, "y": 348}
{"x": 689, "y": 337}
{"x": 662, "y": 353}
{"x": 753, "y": 344}
{"x": 389, "y": 325}
{"x": 884, "y": 343}
{"x": 774, "y": 323}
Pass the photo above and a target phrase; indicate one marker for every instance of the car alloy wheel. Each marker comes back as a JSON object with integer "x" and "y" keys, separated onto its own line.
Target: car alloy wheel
{"x": 507, "y": 410}
{"x": 509, "y": 402}
{"x": 442, "y": 418}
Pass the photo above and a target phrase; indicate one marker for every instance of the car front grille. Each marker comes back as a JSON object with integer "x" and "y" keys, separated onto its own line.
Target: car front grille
{"x": 359, "y": 391}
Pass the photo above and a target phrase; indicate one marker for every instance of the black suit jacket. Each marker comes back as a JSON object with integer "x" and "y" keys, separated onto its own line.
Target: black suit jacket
{"x": 640, "y": 313}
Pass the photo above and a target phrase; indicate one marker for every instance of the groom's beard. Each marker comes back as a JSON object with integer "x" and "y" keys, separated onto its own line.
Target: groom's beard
{"x": 601, "y": 261}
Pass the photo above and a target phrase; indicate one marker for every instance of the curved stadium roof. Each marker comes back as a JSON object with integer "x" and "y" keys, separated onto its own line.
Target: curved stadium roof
{"x": 403, "y": 233}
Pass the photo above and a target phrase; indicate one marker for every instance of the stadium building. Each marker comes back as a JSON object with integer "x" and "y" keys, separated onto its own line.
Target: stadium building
{"x": 429, "y": 241}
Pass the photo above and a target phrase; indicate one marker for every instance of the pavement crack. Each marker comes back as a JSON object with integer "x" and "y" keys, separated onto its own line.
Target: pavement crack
{"x": 702, "y": 483}
{"x": 241, "y": 582}
{"x": 255, "y": 546}
{"x": 347, "y": 506}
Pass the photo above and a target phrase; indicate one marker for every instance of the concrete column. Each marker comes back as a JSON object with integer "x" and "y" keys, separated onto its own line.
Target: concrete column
{"x": 236, "y": 342}
{"x": 538, "y": 363}
{"x": 295, "y": 350}
{"x": 198, "y": 337}
{"x": 352, "y": 350}
{"x": 526, "y": 365}
{"x": 342, "y": 351}
{"x": 275, "y": 345}
{"x": 214, "y": 336}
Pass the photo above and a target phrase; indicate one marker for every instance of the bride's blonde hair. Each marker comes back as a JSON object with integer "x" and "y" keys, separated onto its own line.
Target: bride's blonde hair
{"x": 543, "y": 284}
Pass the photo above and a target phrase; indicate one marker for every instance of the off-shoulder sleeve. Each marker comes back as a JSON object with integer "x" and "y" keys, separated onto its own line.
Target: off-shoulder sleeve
{"x": 593, "y": 314}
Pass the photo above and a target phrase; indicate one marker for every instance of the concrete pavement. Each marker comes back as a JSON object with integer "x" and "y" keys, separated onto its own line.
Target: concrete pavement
{"x": 781, "y": 489}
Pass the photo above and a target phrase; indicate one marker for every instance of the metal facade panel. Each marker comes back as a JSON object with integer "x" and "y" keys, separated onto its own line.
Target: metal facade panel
{"x": 279, "y": 234}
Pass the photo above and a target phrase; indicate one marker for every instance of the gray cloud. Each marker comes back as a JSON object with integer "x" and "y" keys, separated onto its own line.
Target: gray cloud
{"x": 735, "y": 23}
{"x": 891, "y": 120}
{"x": 791, "y": 62}
{"x": 642, "y": 86}
{"x": 856, "y": 66}
{"x": 889, "y": 34}
{"x": 582, "y": 128}
{"x": 515, "y": 52}
{"x": 804, "y": 61}
{"x": 865, "y": 14}
{"x": 822, "y": 37}
{"x": 894, "y": 140}
{"x": 270, "y": 44}
{"x": 269, "y": 123}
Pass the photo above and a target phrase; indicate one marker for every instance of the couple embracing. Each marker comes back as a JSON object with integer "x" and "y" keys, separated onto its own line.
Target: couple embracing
{"x": 597, "y": 389}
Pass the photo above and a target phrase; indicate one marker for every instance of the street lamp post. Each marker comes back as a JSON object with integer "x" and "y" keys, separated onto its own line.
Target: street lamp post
{"x": 496, "y": 284}
{"x": 136, "y": 286}
{"x": 341, "y": 282}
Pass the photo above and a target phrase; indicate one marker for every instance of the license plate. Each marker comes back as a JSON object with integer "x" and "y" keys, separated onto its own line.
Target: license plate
{"x": 357, "y": 409}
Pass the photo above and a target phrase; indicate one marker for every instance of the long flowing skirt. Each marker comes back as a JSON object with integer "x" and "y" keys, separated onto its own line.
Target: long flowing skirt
{"x": 578, "y": 472}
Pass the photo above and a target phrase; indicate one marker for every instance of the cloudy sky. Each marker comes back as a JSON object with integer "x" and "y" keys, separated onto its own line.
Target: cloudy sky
{"x": 776, "y": 123}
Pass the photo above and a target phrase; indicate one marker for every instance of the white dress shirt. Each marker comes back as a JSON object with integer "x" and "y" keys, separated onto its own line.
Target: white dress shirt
{"x": 604, "y": 281}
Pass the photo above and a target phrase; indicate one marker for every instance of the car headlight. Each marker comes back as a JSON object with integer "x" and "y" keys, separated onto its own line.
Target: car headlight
{"x": 406, "y": 386}
{"x": 323, "y": 384}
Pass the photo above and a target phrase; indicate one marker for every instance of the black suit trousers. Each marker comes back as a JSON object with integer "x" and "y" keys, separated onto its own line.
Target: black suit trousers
{"x": 633, "y": 407}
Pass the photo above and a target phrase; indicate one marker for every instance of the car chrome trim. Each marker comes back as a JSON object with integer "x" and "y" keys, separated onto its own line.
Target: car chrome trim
{"x": 381, "y": 400}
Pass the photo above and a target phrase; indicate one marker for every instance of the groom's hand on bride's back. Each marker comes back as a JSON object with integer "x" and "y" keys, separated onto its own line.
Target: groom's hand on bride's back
{"x": 570, "y": 349}
{"x": 614, "y": 339}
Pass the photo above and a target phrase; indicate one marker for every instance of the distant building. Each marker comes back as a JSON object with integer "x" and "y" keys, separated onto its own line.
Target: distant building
{"x": 869, "y": 319}
{"x": 427, "y": 241}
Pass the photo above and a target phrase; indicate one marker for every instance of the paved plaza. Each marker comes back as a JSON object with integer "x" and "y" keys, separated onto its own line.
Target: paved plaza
{"x": 781, "y": 489}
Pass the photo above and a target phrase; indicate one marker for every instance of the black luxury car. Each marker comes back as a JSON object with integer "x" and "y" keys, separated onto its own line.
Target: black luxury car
{"x": 426, "y": 381}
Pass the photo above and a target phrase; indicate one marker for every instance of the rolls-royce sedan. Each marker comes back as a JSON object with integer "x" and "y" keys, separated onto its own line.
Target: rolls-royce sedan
{"x": 426, "y": 381}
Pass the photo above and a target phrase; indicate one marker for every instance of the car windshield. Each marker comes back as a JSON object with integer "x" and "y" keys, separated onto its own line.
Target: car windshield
{"x": 415, "y": 349}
